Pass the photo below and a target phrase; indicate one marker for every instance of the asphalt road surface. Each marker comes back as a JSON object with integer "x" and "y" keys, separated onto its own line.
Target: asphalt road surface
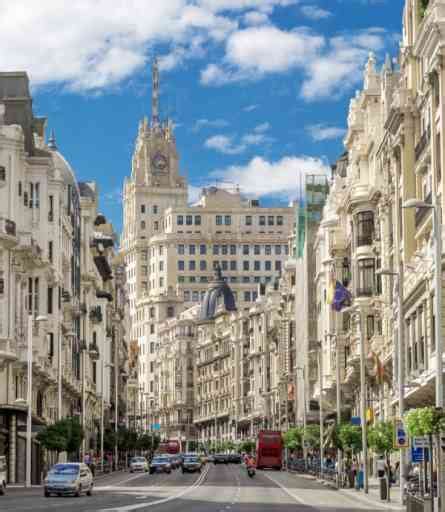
{"x": 220, "y": 488}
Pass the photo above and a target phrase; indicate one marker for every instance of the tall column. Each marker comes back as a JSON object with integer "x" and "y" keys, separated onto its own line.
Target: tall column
{"x": 12, "y": 448}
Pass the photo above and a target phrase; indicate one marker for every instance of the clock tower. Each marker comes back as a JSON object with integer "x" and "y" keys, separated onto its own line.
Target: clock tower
{"x": 154, "y": 185}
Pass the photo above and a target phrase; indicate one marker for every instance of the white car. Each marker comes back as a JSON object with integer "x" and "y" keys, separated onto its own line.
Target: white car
{"x": 138, "y": 464}
{"x": 69, "y": 478}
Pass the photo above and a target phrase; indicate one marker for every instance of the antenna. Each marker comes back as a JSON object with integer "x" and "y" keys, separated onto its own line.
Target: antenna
{"x": 155, "y": 93}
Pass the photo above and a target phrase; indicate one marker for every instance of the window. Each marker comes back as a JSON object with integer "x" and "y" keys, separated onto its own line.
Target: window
{"x": 50, "y": 205}
{"x": 365, "y": 228}
{"x": 2, "y": 173}
{"x": 170, "y": 312}
{"x": 218, "y": 220}
{"x": 187, "y": 295}
{"x": 202, "y": 249}
{"x": 155, "y": 209}
{"x": 144, "y": 269}
{"x": 152, "y": 328}
{"x": 143, "y": 224}
{"x": 233, "y": 265}
{"x": 216, "y": 250}
{"x": 142, "y": 208}
{"x": 227, "y": 220}
{"x": 270, "y": 220}
{"x": 50, "y": 300}
{"x": 245, "y": 265}
{"x": 195, "y": 296}
{"x": 268, "y": 250}
{"x": 203, "y": 265}
{"x": 189, "y": 220}
{"x": 233, "y": 250}
{"x": 262, "y": 220}
{"x": 192, "y": 250}
{"x": 181, "y": 249}
{"x": 192, "y": 265}
{"x": 254, "y": 297}
{"x": 279, "y": 220}
{"x": 152, "y": 347}
{"x": 224, "y": 265}
{"x": 156, "y": 225}
{"x": 181, "y": 265}
{"x": 20, "y": 189}
{"x": 161, "y": 282}
{"x": 257, "y": 266}
{"x": 197, "y": 220}
{"x": 248, "y": 220}
{"x": 161, "y": 250}
{"x": 256, "y": 249}
{"x": 246, "y": 250}
{"x": 366, "y": 277}
{"x": 278, "y": 250}
{"x": 180, "y": 220}
{"x": 286, "y": 250}
{"x": 278, "y": 266}
{"x": 257, "y": 279}
{"x": 247, "y": 296}
{"x": 370, "y": 326}
{"x": 94, "y": 372}
{"x": 50, "y": 344}
{"x": 50, "y": 251}
{"x": 161, "y": 266}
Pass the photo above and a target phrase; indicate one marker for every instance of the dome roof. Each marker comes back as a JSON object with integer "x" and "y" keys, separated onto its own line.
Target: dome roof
{"x": 60, "y": 163}
{"x": 219, "y": 294}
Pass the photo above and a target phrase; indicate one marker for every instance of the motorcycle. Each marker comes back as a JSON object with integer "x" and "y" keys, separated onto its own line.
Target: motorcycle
{"x": 251, "y": 472}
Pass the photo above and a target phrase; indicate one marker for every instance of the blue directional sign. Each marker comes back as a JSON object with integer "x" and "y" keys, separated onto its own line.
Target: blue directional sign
{"x": 401, "y": 436}
{"x": 356, "y": 420}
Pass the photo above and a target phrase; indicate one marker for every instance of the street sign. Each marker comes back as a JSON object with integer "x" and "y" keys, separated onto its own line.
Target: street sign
{"x": 417, "y": 454}
{"x": 355, "y": 420}
{"x": 420, "y": 442}
{"x": 401, "y": 439}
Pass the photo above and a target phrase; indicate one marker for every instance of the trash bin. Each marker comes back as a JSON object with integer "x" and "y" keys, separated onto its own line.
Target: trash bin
{"x": 383, "y": 489}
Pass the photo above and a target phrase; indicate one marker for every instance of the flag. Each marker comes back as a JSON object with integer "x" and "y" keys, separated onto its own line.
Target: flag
{"x": 342, "y": 297}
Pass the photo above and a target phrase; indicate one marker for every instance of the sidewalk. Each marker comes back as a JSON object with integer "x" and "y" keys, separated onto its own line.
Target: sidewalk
{"x": 372, "y": 498}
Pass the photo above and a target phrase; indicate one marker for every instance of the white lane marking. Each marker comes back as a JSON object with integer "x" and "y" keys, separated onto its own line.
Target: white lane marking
{"x": 287, "y": 491}
{"x": 126, "y": 508}
{"x": 111, "y": 485}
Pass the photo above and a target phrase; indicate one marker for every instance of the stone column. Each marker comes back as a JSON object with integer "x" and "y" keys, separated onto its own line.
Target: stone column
{"x": 12, "y": 448}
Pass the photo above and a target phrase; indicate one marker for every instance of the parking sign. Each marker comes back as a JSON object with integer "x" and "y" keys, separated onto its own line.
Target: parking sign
{"x": 401, "y": 439}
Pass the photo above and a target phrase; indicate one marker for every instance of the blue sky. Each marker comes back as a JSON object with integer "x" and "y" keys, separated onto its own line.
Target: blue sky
{"x": 258, "y": 89}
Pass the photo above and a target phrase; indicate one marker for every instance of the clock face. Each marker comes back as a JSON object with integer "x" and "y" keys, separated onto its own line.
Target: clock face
{"x": 159, "y": 162}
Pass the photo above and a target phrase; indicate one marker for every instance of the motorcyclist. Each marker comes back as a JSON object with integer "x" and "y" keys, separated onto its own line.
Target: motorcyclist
{"x": 250, "y": 462}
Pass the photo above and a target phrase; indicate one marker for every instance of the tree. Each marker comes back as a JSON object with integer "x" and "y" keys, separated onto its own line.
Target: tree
{"x": 312, "y": 436}
{"x": 293, "y": 438}
{"x": 424, "y": 421}
{"x": 144, "y": 442}
{"x": 247, "y": 446}
{"x": 65, "y": 435}
{"x": 350, "y": 437}
{"x": 381, "y": 438}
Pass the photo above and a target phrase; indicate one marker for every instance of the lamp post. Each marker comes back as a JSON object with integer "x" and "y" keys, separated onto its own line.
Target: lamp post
{"x": 356, "y": 310}
{"x": 400, "y": 359}
{"x": 298, "y": 369}
{"x": 29, "y": 398}
{"x": 437, "y": 236}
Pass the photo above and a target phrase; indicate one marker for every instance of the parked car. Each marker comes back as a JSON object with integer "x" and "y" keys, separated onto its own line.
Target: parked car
{"x": 210, "y": 458}
{"x": 191, "y": 464}
{"x": 3, "y": 471}
{"x": 69, "y": 478}
{"x": 235, "y": 458}
{"x": 160, "y": 464}
{"x": 138, "y": 464}
{"x": 220, "y": 458}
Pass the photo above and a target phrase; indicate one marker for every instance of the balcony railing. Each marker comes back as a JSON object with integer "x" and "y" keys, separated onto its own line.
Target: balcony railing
{"x": 421, "y": 145}
{"x": 422, "y": 213}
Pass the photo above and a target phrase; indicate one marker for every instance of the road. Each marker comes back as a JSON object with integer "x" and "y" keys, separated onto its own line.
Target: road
{"x": 221, "y": 488}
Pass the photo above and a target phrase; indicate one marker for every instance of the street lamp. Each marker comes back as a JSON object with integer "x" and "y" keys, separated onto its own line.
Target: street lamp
{"x": 356, "y": 309}
{"x": 29, "y": 397}
{"x": 400, "y": 358}
{"x": 298, "y": 369}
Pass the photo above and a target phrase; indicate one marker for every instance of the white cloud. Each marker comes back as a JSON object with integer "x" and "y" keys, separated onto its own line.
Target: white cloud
{"x": 315, "y": 13}
{"x": 261, "y": 177}
{"x": 194, "y": 193}
{"x": 264, "y": 5}
{"x": 250, "y": 108}
{"x": 227, "y": 144}
{"x": 209, "y": 123}
{"x": 320, "y": 132}
{"x": 255, "y": 18}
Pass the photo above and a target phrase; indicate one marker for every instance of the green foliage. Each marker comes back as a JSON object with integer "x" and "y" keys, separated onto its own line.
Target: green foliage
{"x": 423, "y": 5}
{"x": 350, "y": 437}
{"x": 312, "y": 435}
{"x": 64, "y": 435}
{"x": 424, "y": 421}
{"x": 247, "y": 446}
{"x": 144, "y": 442}
{"x": 381, "y": 437}
{"x": 293, "y": 438}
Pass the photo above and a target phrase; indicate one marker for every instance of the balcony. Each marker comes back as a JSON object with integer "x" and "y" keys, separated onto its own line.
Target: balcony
{"x": 7, "y": 353}
{"x": 421, "y": 145}
{"x": 422, "y": 213}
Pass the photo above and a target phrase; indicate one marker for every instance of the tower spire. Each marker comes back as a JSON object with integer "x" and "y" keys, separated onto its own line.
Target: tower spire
{"x": 155, "y": 93}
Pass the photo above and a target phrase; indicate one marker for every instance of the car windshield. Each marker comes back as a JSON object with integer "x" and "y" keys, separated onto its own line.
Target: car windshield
{"x": 64, "y": 469}
{"x": 138, "y": 459}
{"x": 191, "y": 459}
{"x": 159, "y": 459}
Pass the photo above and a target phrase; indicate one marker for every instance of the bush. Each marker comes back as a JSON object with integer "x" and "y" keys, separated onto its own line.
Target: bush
{"x": 350, "y": 437}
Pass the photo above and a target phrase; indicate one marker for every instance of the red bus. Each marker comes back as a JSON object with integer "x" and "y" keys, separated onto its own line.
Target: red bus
{"x": 171, "y": 447}
{"x": 269, "y": 449}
